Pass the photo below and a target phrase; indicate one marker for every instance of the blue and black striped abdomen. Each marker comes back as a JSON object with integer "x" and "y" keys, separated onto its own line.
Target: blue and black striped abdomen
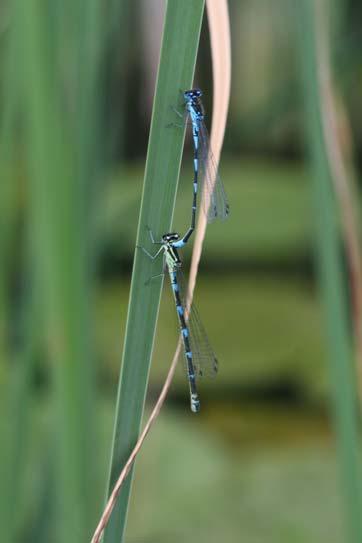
{"x": 195, "y": 403}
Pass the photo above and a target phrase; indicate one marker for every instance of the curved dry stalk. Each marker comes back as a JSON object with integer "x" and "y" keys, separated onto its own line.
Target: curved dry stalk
{"x": 218, "y": 19}
{"x": 219, "y": 27}
{"x": 332, "y": 114}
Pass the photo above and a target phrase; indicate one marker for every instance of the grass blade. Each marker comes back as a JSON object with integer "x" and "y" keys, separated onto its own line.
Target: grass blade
{"x": 15, "y": 384}
{"x": 177, "y": 62}
{"x": 332, "y": 280}
{"x": 57, "y": 197}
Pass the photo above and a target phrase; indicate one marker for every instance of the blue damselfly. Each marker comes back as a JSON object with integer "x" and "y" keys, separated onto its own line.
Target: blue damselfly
{"x": 199, "y": 356}
{"x": 205, "y": 170}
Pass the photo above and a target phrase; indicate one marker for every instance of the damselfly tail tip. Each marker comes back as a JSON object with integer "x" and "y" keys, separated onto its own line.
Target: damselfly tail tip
{"x": 195, "y": 404}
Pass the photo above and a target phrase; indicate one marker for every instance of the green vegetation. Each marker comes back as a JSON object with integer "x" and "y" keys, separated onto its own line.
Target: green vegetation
{"x": 259, "y": 463}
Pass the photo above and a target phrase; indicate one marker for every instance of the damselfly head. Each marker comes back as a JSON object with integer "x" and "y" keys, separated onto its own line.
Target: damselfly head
{"x": 192, "y": 94}
{"x": 171, "y": 236}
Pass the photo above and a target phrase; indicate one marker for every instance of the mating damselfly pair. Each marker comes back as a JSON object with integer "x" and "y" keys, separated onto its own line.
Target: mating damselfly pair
{"x": 199, "y": 356}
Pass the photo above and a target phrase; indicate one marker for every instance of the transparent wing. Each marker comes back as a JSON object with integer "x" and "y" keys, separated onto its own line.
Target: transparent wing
{"x": 210, "y": 181}
{"x": 203, "y": 357}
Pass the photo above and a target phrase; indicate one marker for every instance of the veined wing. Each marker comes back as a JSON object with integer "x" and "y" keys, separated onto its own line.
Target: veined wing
{"x": 216, "y": 204}
{"x": 204, "y": 360}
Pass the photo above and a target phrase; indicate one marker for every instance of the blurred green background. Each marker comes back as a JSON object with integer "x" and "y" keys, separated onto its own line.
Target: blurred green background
{"x": 259, "y": 462}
